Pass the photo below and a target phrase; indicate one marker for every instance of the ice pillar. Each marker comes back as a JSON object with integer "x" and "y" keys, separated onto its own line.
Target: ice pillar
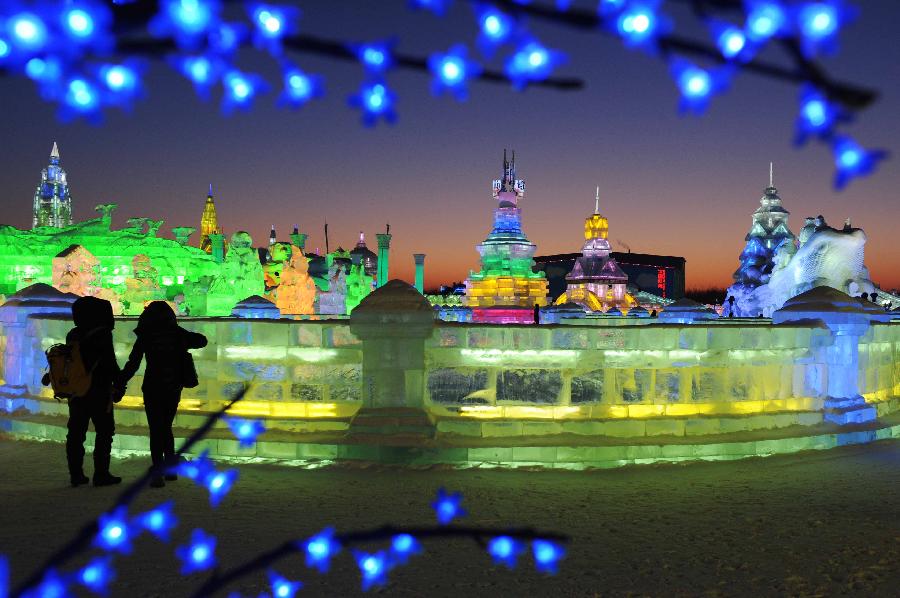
{"x": 298, "y": 239}
{"x": 384, "y": 246}
{"x": 420, "y": 271}
{"x": 217, "y": 242}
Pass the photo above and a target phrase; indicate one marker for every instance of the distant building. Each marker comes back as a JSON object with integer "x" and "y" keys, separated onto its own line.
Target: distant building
{"x": 52, "y": 202}
{"x": 661, "y": 275}
{"x": 209, "y": 222}
{"x": 596, "y": 282}
{"x": 365, "y": 256}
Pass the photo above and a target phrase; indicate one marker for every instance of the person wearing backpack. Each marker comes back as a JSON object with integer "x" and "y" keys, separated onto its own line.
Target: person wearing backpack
{"x": 170, "y": 368}
{"x": 91, "y": 343}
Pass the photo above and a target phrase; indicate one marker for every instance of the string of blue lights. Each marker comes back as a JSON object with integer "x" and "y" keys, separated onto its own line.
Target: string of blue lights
{"x": 66, "y": 49}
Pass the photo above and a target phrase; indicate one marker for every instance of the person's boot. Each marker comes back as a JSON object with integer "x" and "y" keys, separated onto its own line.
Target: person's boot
{"x": 102, "y": 477}
{"x": 78, "y": 479}
{"x": 106, "y": 479}
{"x": 157, "y": 481}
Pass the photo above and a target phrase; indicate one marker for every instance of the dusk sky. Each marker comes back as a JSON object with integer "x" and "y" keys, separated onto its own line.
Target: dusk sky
{"x": 669, "y": 185}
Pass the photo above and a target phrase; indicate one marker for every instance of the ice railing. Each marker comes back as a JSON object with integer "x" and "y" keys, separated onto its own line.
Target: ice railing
{"x": 630, "y": 371}
{"x": 298, "y": 369}
{"x": 879, "y": 362}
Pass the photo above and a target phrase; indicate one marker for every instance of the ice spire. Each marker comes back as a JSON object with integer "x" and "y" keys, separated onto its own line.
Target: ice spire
{"x": 210, "y": 191}
{"x": 54, "y": 153}
{"x": 597, "y": 201}
{"x": 771, "y": 177}
{"x": 362, "y": 240}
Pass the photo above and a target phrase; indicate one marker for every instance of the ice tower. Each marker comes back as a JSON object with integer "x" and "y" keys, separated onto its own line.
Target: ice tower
{"x": 506, "y": 289}
{"x": 52, "y": 202}
{"x": 596, "y": 281}
{"x": 768, "y": 231}
{"x": 209, "y": 222}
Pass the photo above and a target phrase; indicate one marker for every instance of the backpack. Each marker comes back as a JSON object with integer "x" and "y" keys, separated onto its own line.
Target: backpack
{"x": 69, "y": 377}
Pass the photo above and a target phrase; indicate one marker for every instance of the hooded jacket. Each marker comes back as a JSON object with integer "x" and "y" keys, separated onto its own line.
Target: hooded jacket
{"x": 94, "y": 324}
{"x": 164, "y": 344}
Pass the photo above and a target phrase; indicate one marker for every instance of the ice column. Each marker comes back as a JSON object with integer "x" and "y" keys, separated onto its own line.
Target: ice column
{"x": 384, "y": 246}
{"x": 420, "y": 271}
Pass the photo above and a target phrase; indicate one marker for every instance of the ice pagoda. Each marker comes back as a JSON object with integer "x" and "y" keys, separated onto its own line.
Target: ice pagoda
{"x": 596, "y": 281}
{"x": 506, "y": 289}
{"x": 52, "y": 202}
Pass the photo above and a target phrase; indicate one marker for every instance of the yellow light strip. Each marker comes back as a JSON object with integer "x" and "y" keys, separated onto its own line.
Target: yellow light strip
{"x": 639, "y": 411}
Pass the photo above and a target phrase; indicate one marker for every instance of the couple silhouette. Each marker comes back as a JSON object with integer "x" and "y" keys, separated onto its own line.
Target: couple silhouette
{"x": 164, "y": 345}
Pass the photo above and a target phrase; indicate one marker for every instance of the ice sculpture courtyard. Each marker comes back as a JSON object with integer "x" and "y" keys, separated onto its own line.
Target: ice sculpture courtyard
{"x": 394, "y": 384}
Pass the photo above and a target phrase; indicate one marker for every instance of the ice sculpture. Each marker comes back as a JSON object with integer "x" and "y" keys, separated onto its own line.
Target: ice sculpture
{"x": 296, "y": 292}
{"x": 596, "y": 281}
{"x": 142, "y": 287}
{"x": 359, "y": 284}
{"x": 75, "y": 271}
{"x": 334, "y": 302}
{"x": 240, "y": 276}
{"x": 506, "y": 279}
{"x": 824, "y": 257}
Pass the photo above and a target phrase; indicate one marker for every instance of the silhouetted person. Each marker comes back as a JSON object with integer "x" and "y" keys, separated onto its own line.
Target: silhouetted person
{"x": 874, "y": 297}
{"x": 864, "y": 296}
{"x": 537, "y": 314}
{"x": 164, "y": 343}
{"x": 94, "y": 323}
{"x": 731, "y": 306}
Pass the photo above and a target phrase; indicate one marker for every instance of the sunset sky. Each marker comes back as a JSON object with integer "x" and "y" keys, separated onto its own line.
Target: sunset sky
{"x": 669, "y": 185}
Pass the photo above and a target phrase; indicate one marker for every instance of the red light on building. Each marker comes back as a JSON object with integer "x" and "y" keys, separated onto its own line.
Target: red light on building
{"x": 661, "y": 282}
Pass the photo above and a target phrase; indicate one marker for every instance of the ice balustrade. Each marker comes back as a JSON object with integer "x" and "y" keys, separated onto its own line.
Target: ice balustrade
{"x": 298, "y": 369}
{"x": 580, "y": 372}
{"x": 314, "y": 369}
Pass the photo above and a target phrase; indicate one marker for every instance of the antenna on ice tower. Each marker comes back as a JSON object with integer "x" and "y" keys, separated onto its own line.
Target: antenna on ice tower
{"x": 597, "y": 201}
{"x": 771, "y": 178}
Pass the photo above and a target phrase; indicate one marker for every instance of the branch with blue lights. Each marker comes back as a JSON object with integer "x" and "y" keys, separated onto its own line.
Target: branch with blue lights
{"x": 86, "y": 56}
{"x": 115, "y": 531}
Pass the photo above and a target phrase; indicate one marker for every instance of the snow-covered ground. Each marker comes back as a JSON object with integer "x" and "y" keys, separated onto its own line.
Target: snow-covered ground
{"x": 825, "y": 523}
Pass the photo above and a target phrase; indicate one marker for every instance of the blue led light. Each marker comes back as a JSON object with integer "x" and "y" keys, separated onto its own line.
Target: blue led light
{"x": 451, "y": 70}
{"x": 376, "y": 101}
{"x": 119, "y": 77}
{"x": 505, "y": 550}
{"x": 50, "y": 586}
{"x": 299, "y": 88}
{"x": 240, "y": 90}
{"x": 496, "y": 26}
{"x": 196, "y": 470}
{"x": 97, "y": 575}
{"x": 227, "y": 37}
{"x": 547, "y": 556}
{"x": 852, "y": 160}
{"x": 403, "y": 546}
{"x": 247, "y": 430}
{"x": 374, "y": 568}
{"x": 817, "y": 116}
{"x": 79, "y": 22}
{"x": 638, "y": 23}
{"x": 764, "y": 19}
{"x": 219, "y": 483}
{"x": 319, "y": 549}
{"x": 376, "y": 57}
{"x": 732, "y": 42}
{"x": 531, "y": 62}
{"x": 27, "y": 30}
{"x": 159, "y": 521}
{"x": 198, "y": 554}
{"x": 4, "y": 48}
{"x": 818, "y": 20}
{"x": 447, "y": 506}
{"x": 283, "y": 587}
{"x": 187, "y": 20}
{"x": 696, "y": 85}
{"x": 113, "y": 533}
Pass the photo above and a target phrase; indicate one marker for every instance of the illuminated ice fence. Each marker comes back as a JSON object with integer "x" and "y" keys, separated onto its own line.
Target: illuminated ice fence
{"x": 394, "y": 384}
